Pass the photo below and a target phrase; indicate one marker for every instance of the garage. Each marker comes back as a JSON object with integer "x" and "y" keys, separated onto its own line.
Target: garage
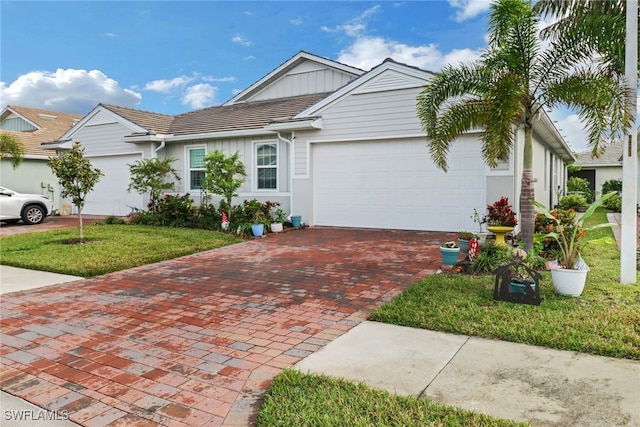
{"x": 393, "y": 184}
{"x": 110, "y": 195}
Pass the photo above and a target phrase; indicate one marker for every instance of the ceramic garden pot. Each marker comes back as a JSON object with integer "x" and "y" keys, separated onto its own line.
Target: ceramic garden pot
{"x": 257, "y": 229}
{"x": 569, "y": 282}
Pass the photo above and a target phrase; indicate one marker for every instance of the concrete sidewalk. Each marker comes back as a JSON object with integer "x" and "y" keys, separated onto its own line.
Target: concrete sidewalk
{"x": 524, "y": 383}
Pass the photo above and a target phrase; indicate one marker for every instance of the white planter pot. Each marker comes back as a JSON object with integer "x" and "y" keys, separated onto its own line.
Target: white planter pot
{"x": 276, "y": 227}
{"x": 569, "y": 282}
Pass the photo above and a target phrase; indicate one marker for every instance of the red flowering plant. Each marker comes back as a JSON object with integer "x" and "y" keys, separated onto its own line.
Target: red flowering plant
{"x": 550, "y": 248}
{"x": 567, "y": 236}
{"x": 501, "y": 213}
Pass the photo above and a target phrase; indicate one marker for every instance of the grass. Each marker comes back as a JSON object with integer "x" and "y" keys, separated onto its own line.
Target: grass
{"x": 297, "y": 399}
{"x": 605, "y": 320}
{"x": 108, "y": 248}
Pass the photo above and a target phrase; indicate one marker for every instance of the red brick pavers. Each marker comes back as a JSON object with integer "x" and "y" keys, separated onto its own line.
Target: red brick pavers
{"x": 196, "y": 341}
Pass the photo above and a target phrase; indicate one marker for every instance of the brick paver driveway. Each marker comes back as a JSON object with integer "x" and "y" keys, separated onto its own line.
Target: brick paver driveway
{"x": 197, "y": 340}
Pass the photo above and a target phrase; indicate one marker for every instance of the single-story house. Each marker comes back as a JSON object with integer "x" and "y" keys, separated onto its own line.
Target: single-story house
{"x": 32, "y": 127}
{"x": 335, "y": 144}
{"x": 602, "y": 169}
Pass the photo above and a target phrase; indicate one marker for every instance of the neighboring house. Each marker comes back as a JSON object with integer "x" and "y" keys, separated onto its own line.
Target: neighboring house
{"x": 32, "y": 127}
{"x": 333, "y": 143}
{"x": 598, "y": 171}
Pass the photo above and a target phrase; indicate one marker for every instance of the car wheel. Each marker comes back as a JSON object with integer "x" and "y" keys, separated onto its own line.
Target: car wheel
{"x": 33, "y": 214}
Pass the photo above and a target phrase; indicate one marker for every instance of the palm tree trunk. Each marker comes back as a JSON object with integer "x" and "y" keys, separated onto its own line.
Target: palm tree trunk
{"x": 527, "y": 192}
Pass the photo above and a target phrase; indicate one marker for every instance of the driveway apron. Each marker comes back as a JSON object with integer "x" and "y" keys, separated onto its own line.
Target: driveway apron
{"x": 197, "y": 340}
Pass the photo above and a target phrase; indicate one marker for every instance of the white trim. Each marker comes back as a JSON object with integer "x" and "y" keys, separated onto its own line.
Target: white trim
{"x": 90, "y": 156}
{"x": 187, "y": 166}
{"x": 367, "y": 138}
{"x": 101, "y": 124}
{"x": 100, "y": 109}
{"x": 256, "y": 144}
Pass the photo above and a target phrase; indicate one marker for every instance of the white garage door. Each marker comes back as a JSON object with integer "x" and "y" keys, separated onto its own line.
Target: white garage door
{"x": 110, "y": 195}
{"x": 395, "y": 185}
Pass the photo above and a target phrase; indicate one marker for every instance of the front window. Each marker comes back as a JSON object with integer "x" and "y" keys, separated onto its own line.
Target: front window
{"x": 267, "y": 164}
{"x": 196, "y": 167}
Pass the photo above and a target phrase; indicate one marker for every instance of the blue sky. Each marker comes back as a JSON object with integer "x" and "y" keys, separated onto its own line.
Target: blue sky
{"x": 176, "y": 56}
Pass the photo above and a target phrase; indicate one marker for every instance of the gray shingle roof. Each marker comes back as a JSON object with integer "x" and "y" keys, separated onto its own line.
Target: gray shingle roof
{"x": 612, "y": 154}
{"x": 153, "y": 122}
{"x": 240, "y": 116}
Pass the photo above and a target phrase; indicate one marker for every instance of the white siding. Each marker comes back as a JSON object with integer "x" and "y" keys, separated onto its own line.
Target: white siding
{"x": 375, "y": 114}
{"x": 303, "y": 80}
{"x": 107, "y": 138}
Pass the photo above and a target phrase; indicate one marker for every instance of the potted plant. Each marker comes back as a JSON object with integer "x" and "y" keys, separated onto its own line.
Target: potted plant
{"x": 501, "y": 219}
{"x": 463, "y": 240}
{"x": 449, "y": 251}
{"x": 259, "y": 221}
{"x": 278, "y": 221}
{"x": 480, "y": 235}
{"x": 570, "y": 273}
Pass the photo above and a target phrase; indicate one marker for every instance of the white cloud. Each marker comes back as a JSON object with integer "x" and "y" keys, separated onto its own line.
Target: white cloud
{"x": 467, "y": 9}
{"x": 241, "y": 40}
{"x": 228, "y": 79}
{"x": 66, "y": 90}
{"x": 356, "y": 26}
{"x": 367, "y": 52}
{"x": 200, "y": 95}
{"x": 168, "y": 85}
{"x": 296, "y": 21}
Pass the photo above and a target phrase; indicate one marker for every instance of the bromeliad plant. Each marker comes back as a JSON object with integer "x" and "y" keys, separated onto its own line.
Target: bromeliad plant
{"x": 567, "y": 237}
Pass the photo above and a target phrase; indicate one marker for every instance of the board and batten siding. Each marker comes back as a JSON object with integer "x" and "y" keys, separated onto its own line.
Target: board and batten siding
{"x": 305, "y": 79}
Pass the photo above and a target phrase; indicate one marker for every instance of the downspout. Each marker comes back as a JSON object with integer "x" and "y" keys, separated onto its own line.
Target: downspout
{"x": 163, "y": 142}
{"x": 290, "y": 142}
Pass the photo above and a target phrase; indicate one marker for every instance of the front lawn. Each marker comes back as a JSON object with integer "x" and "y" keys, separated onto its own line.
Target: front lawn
{"x": 603, "y": 321}
{"x": 108, "y": 248}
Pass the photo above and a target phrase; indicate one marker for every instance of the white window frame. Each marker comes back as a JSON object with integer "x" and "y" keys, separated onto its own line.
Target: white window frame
{"x": 188, "y": 168}
{"x": 257, "y": 145}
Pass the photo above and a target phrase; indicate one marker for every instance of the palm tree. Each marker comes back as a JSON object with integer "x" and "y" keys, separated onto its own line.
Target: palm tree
{"x": 10, "y": 146}
{"x": 514, "y": 79}
{"x": 596, "y": 23}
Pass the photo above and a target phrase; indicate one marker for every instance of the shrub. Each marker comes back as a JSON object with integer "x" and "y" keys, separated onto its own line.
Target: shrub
{"x": 549, "y": 248}
{"x": 612, "y": 185}
{"x": 110, "y": 220}
{"x": 580, "y": 185}
{"x": 614, "y": 203}
{"x": 572, "y": 201}
{"x": 489, "y": 258}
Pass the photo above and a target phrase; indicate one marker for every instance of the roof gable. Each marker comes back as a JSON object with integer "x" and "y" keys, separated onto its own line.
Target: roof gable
{"x": 303, "y": 74}
{"x": 39, "y": 126}
{"x": 390, "y": 75}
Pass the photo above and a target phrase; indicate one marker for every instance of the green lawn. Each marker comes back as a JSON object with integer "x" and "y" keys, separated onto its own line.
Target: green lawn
{"x": 108, "y": 248}
{"x": 605, "y": 320}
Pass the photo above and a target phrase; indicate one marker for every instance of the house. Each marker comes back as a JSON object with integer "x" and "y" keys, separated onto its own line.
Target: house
{"x": 333, "y": 143}
{"x": 602, "y": 169}
{"x": 32, "y": 127}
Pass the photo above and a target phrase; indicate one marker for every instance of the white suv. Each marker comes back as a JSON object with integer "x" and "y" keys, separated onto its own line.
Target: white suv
{"x": 31, "y": 208}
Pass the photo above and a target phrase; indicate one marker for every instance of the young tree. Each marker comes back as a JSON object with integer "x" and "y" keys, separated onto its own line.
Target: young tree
{"x": 77, "y": 177}
{"x": 223, "y": 175}
{"x": 11, "y": 146}
{"x": 510, "y": 84}
{"x": 152, "y": 176}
